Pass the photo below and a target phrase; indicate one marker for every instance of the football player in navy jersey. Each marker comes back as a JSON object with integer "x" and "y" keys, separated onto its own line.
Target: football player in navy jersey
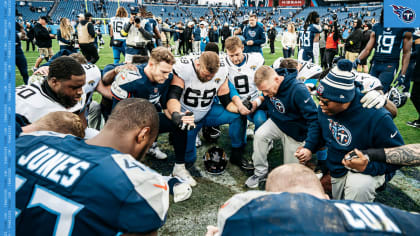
{"x": 309, "y": 39}
{"x": 387, "y": 43}
{"x": 151, "y": 82}
{"x": 92, "y": 187}
{"x": 295, "y": 203}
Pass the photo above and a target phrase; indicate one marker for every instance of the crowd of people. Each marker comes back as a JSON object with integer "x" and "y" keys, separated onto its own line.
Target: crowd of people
{"x": 79, "y": 162}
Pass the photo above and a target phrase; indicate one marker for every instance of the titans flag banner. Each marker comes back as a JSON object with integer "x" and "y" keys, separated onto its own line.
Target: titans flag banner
{"x": 401, "y": 13}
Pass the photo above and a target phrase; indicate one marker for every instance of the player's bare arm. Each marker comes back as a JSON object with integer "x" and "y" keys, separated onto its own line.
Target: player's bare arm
{"x": 369, "y": 46}
{"x": 408, "y": 39}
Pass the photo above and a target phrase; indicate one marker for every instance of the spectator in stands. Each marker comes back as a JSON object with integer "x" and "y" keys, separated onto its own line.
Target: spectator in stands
{"x": 43, "y": 41}
{"x": 289, "y": 41}
{"x": 363, "y": 67}
{"x": 224, "y": 34}
{"x": 21, "y": 62}
{"x": 29, "y": 36}
{"x": 354, "y": 41}
{"x": 65, "y": 36}
{"x": 254, "y": 35}
{"x": 271, "y": 34}
{"x": 86, "y": 36}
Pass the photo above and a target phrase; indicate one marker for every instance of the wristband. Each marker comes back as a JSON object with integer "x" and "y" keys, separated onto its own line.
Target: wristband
{"x": 375, "y": 154}
{"x": 258, "y": 101}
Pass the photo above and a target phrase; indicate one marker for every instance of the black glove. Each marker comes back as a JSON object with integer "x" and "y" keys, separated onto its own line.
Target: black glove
{"x": 247, "y": 103}
{"x": 177, "y": 119}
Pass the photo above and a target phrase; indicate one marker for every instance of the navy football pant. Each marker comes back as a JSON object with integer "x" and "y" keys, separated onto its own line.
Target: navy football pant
{"x": 385, "y": 72}
{"x": 180, "y": 136}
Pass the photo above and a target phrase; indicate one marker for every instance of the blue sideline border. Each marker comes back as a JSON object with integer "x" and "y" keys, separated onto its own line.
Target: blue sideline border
{"x": 7, "y": 117}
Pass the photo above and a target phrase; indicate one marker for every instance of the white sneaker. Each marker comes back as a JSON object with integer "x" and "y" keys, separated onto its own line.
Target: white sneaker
{"x": 254, "y": 181}
{"x": 182, "y": 191}
{"x": 198, "y": 141}
{"x": 156, "y": 152}
{"x": 184, "y": 174}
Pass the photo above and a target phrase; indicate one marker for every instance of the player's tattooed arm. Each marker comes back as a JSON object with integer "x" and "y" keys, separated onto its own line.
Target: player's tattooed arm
{"x": 403, "y": 155}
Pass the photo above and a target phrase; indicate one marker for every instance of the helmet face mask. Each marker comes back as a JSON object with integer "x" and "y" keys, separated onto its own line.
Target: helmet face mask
{"x": 211, "y": 134}
{"x": 397, "y": 97}
{"x": 215, "y": 160}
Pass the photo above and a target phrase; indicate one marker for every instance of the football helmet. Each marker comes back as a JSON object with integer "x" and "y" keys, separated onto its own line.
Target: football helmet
{"x": 398, "y": 97}
{"x": 211, "y": 134}
{"x": 215, "y": 160}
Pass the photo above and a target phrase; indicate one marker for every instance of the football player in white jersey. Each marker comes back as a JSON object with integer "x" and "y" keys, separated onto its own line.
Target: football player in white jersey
{"x": 308, "y": 72}
{"x": 196, "y": 83}
{"x": 61, "y": 91}
{"x": 115, "y": 26}
{"x": 242, "y": 67}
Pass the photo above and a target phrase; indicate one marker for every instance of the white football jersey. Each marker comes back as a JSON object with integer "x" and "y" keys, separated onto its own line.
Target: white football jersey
{"x": 33, "y": 103}
{"x": 242, "y": 77}
{"x": 197, "y": 96}
{"x": 308, "y": 70}
{"x": 93, "y": 76}
{"x": 117, "y": 25}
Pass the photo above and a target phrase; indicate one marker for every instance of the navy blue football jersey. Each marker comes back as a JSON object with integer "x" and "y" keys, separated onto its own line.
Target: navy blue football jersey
{"x": 67, "y": 187}
{"x": 263, "y": 213}
{"x": 138, "y": 85}
{"x": 307, "y": 37}
{"x": 389, "y": 42}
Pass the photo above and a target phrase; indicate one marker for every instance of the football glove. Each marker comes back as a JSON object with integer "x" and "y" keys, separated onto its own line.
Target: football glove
{"x": 177, "y": 119}
{"x": 373, "y": 98}
{"x": 356, "y": 63}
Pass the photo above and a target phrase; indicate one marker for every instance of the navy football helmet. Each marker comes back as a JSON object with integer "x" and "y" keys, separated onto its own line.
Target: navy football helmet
{"x": 397, "y": 97}
{"x": 215, "y": 160}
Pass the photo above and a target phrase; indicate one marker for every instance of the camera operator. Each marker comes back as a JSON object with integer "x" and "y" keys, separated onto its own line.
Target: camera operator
{"x": 86, "y": 36}
{"x": 137, "y": 36}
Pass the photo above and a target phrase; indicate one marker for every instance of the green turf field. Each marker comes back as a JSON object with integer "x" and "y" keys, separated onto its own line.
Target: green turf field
{"x": 192, "y": 216}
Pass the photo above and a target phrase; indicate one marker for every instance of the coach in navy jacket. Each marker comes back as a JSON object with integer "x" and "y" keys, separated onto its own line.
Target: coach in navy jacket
{"x": 343, "y": 125}
{"x": 254, "y": 35}
{"x": 291, "y": 112}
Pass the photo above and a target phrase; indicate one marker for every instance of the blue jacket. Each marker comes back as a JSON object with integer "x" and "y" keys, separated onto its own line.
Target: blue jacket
{"x": 255, "y": 34}
{"x": 292, "y": 108}
{"x": 196, "y": 34}
{"x": 356, "y": 127}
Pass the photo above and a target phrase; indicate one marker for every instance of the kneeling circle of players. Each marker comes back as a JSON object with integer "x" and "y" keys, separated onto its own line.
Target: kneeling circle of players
{"x": 89, "y": 186}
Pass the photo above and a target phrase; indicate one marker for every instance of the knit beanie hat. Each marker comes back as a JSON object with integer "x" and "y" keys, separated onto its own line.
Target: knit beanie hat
{"x": 338, "y": 85}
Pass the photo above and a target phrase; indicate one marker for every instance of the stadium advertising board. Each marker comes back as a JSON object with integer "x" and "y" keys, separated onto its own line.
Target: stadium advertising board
{"x": 285, "y": 3}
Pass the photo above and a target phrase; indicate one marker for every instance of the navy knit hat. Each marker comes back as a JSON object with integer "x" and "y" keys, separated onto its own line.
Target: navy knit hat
{"x": 338, "y": 85}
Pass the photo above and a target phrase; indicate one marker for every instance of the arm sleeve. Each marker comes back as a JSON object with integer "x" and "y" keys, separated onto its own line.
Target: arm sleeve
{"x": 59, "y": 38}
{"x": 146, "y": 33}
{"x": 385, "y": 135}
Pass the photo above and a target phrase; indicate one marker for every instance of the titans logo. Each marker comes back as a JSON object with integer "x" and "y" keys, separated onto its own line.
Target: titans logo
{"x": 407, "y": 15}
{"x": 340, "y": 133}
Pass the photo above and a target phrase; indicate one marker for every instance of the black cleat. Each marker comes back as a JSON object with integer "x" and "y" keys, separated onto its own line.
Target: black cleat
{"x": 415, "y": 124}
{"x": 238, "y": 159}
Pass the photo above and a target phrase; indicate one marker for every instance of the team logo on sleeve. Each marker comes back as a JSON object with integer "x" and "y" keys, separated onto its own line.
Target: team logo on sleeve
{"x": 320, "y": 90}
{"x": 407, "y": 15}
{"x": 278, "y": 104}
{"x": 340, "y": 133}
{"x": 253, "y": 67}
